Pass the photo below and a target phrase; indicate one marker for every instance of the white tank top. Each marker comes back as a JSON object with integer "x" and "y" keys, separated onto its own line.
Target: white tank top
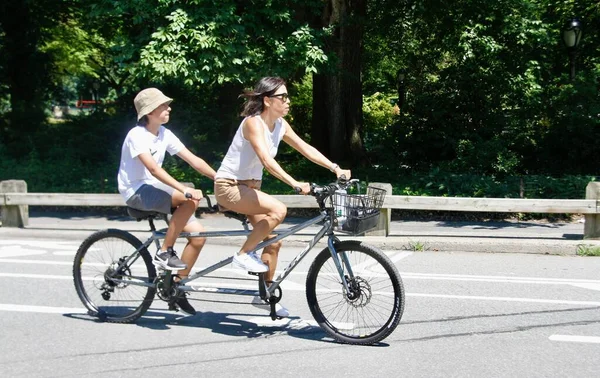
{"x": 241, "y": 162}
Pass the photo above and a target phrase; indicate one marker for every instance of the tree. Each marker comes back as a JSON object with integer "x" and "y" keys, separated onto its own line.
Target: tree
{"x": 215, "y": 47}
{"x": 26, "y": 69}
{"x": 482, "y": 79}
{"x": 337, "y": 92}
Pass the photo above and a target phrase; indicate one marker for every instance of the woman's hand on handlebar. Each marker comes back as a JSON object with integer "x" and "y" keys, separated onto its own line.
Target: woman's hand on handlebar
{"x": 343, "y": 172}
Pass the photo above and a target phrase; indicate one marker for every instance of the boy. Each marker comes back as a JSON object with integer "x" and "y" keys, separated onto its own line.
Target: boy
{"x": 145, "y": 185}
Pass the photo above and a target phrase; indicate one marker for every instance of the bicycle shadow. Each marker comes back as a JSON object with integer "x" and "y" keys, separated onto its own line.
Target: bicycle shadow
{"x": 228, "y": 324}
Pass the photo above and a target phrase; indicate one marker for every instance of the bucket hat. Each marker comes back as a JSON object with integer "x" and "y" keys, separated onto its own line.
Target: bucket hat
{"x": 148, "y": 100}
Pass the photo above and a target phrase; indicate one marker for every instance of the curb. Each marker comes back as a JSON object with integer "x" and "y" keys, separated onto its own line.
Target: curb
{"x": 454, "y": 244}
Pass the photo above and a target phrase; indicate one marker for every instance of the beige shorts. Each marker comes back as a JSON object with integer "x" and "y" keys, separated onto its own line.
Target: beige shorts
{"x": 231, "y": 191}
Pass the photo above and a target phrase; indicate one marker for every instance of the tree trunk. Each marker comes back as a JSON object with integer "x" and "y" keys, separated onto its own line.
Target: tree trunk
{"x": 26, "y": 73}
{"x": 337, "y": 96}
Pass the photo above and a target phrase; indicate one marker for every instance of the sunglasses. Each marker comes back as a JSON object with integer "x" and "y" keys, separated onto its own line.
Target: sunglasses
{"x": 284, "y": 96}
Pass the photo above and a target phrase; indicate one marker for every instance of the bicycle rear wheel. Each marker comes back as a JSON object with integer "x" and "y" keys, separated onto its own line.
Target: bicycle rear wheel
{"x": 119, "y": 295}
{"x": 372, "y": 307}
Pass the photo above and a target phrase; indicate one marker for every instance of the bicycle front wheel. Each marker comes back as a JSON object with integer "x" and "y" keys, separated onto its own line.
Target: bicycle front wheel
{"x": 114, "y": 276}
{"x": 370, "y": 309}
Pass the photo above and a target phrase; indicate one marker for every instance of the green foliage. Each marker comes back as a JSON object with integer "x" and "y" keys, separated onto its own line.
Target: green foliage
{"x": 487, "y": 85}
{"x": 214, "y": 42}
{"x": 379, "y": 117}
{"x": 379, "y": 113}
{"x": 588, "y": 250}
{"x": 489, "y": 103}
{"x": 417, "y": 246}
{"x": 300, "y": 115}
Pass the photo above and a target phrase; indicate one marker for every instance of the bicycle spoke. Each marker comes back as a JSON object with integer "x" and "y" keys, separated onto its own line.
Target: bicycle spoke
{"x": 107, "y": 285}
{"x": 364, "y": 310}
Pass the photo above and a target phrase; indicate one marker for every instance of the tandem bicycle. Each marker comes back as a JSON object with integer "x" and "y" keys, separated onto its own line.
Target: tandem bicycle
{"x": 353, "y": 289}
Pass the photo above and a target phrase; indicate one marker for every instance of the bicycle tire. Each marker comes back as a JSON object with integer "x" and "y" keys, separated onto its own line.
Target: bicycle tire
{"x": 108, "y": 300}
{"x": 380, "y": 298}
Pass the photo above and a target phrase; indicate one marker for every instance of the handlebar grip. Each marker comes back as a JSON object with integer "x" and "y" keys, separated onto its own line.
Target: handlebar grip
{"x": 297, "y": 189}
{"x": 188, "y": 195}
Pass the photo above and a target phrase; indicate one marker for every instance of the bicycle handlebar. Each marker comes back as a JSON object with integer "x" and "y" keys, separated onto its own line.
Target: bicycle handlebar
{"x": 319, "y": 191}
{"x": 323, "y": 191}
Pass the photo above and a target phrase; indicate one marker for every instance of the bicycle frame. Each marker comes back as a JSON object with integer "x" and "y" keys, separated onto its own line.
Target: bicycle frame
{"x": 327, "y": 229}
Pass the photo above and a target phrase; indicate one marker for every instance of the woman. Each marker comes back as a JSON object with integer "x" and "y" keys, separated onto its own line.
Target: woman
{"x": 145, "y": 185}
{"x": 238, "y": 180}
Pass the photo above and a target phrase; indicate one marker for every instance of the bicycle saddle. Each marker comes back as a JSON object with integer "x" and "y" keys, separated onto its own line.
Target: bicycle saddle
{"x": 234, "y": 215}
{"x": 228, "y": 213}
{"x": 143, "y": 215}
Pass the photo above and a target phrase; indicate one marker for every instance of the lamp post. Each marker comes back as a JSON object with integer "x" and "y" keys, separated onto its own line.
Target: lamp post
{"x": 571, "y": 34}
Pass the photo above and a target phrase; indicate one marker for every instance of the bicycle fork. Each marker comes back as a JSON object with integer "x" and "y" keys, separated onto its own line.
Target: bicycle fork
{"x": 338, "y": 263}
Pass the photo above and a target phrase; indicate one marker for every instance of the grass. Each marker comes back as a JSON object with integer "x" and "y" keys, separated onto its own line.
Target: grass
{"x": 417, "y": 246}
{"x": 588, "y": 250}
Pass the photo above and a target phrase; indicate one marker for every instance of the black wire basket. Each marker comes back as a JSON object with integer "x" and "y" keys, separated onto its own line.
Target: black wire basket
{"x": 357, "y": 213}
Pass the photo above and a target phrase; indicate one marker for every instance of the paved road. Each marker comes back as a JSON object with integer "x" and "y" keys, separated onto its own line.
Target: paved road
{"x": 467, "y": 315}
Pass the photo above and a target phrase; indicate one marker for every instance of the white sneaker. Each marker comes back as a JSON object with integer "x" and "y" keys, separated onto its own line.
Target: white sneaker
{"x": 249, "y": 262}
{"x": 280, "y": 311}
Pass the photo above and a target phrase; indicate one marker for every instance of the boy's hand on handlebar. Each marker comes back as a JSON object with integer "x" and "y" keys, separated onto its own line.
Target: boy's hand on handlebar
{"x": 194, "y": 194}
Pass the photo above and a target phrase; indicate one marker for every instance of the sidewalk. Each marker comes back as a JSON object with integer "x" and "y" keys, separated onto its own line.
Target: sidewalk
{"x": 491, "y": 237}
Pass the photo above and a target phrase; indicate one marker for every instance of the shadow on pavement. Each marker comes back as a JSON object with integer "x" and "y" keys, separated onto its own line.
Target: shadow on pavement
{"x": 223, "y": 323}
{"x": 507, "y": 330}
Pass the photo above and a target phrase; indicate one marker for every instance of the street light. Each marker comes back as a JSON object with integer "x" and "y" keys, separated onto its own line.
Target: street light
{"x": 571, "y": 34}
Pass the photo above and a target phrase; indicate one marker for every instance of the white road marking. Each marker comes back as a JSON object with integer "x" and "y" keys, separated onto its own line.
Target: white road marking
{"x": 39, "y": 276}
{"x": 42, "y": 309}
{"x": 65, "y": 253}
{"x": 505, "y": 299}
{"x": 301, "y": 288}
{"x": 63, "y": 310}
{"x": 43, "y": 244}
{"x": 261, "y": 321}
{"x": 18, "y": 250}
{"x": 576, "y": 339}
{"x": 399, "y": 256}
{"x": 506, "y": 279}
{"x": 589, "y": 286}
{"x": 42, "y": 262}
{"x": 265, "y": 321}
{"x": 15, "y": 248}
{"x": 583, "y": 283}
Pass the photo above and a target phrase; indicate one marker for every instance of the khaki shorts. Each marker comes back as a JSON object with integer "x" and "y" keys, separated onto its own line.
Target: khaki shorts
{"x": 231, "y": 191}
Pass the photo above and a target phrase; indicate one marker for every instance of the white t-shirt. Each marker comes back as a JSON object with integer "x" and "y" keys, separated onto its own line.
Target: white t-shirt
{"x": 132, "y": 172}
{"x": 241, "y": 161}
